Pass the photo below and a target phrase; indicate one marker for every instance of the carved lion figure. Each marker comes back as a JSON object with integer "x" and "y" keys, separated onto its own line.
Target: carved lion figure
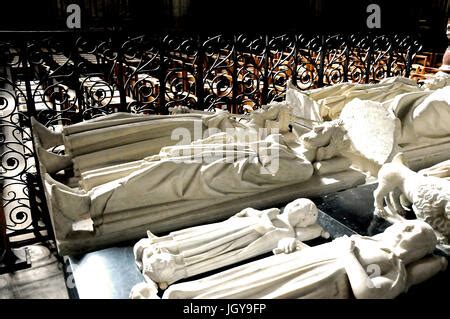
{"x": 429, "y": 196}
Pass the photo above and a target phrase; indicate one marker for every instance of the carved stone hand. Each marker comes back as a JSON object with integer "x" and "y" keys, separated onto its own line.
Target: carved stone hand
{"x": 345, "y": 244}
{"x": 287, "y": 245}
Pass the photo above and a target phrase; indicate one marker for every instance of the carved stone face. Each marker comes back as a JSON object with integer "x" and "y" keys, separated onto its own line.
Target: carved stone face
{"x": 160, "y": 267}
{"x": 315, "y": 135}
{"x": 301, "y": 212}
{"x": 321, "y": 134}
{"x": 410, "y": 240}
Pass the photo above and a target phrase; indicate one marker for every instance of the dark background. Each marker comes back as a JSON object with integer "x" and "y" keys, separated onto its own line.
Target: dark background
{"x": 426, "y": 18}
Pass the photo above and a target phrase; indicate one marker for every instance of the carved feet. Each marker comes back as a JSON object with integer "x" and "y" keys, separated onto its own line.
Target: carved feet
{"x": 52, "y": 162}
{"x": 47, "y": 138}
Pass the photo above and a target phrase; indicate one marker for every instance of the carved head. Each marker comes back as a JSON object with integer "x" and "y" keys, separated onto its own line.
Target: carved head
{"x": 321, "y": 134}
{"x": 411, "y": 240}
{"x": 144, "y": 290}
{"x": 301, "y": 212}
{"x": 316, "y": 137}
{"x": 160, "y": 267}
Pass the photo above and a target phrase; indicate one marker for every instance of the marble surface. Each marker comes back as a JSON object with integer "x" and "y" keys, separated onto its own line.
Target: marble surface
{"x": 354, "y": 209}
{"x": 104, "y": 274}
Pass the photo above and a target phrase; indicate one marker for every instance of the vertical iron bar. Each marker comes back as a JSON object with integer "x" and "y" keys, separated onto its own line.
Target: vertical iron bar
{"x": 409, "y": 59}
{"x": 120, "y": 62}
{"x": 295, "y": 64}
{"x": 79, "y": 102}
{"x": 412, "y": 51}
{"x": 322, "y": 52}
{"x": 234, "y": 76}
{"x": 347, "y": 47}
{"x": 266, "y": 74}
{"x": 28, "y": 76}
{"x": 5, "y": 247}
{"x": 199, "y": 76}
{"x": 369, "y": 61}
{"x": 35, "y": 187}
{"x": 390, "y": 54}
{"x": 162, "y": 75}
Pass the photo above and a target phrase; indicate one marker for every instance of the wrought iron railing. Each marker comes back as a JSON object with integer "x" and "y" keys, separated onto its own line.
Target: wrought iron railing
{"x": 66, "y": 77}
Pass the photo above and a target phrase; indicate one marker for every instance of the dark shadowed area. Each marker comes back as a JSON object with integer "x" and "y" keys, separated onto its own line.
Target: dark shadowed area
{"x": 428, "y": 18}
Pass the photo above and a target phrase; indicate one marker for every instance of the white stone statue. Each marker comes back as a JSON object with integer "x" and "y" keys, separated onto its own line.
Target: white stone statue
{"x": 428, "y": 195}
{"x": 145, "y": 290}
{"x": 438, "y": 81}
{"x": 325, "y": 104}
{"x": 324, "y": 146}
{"x": 372, "y": 129}
{"x": 249, "y": 233}
{"x": 128, "y": 180}
{"x": 273, "y": 116}
{"x": 424, "y": 115}
{"x": 207, "y": 169}
{"x": 122, "y": 137}
{"x": 395, "y": 115}
{"x": 381, "y": 266}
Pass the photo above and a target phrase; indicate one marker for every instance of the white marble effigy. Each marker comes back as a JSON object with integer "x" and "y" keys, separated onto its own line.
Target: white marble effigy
{"x": 249, "y": 233}
{"x": 381, "y": 266}
{"x": 117, "y": 197}
{"x": 393, "y": 116}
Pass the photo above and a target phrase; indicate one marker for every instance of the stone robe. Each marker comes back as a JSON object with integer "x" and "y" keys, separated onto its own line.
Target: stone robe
{"x": 315, "y": 272}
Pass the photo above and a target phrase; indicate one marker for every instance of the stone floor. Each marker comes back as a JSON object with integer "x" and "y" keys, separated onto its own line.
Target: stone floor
{"x": 44, "y": 280}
